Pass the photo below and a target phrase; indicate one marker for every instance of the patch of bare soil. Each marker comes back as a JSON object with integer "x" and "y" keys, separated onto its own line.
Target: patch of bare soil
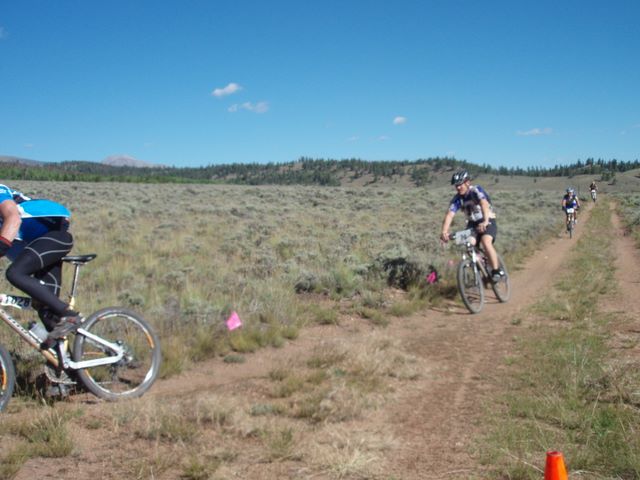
{"x": 431, "y": 421}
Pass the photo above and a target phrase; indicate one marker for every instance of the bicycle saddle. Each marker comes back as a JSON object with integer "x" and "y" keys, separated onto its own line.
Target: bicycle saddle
{"x": 79, "y": 259}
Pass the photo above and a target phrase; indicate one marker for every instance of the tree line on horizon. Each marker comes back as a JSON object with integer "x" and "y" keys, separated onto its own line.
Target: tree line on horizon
{"x": 304, "y": 171}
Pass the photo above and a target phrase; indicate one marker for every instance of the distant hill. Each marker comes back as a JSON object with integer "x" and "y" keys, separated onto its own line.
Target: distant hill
{"x": 305, "y": 171}
{"x": 126, "y": 161}
{"x": 19, "y": 161}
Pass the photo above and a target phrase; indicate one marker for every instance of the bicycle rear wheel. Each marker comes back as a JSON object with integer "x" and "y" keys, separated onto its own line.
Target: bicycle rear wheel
{"x": 134, "y": 374}
{"x": 470, "y": 286}
{"x": 502, "y": 289}
{"x": 7, "y": 377}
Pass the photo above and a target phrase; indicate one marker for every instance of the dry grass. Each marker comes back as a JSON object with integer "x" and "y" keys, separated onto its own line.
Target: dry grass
{"x": 566, "y": 388}
{"x": 186, "y": 256}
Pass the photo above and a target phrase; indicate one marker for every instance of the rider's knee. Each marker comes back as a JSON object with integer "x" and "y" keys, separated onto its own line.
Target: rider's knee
{"x": 11, "y": 275}
{"x": 487, "y": 241}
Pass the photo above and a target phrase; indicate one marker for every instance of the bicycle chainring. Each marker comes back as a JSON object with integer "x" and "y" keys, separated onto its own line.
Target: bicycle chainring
{"x": 56, "y": 376}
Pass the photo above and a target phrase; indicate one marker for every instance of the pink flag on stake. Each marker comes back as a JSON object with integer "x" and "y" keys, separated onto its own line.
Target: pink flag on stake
{"x": 233, "y": 321}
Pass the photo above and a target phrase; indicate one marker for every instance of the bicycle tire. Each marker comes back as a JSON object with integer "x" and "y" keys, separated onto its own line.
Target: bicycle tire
{"x": 502, "y": 289}
{"x": 7, "y": 378}
{"x": 134, "y": 374}
{"x": 570, "y": 227}
{"x": 470, "y": 286}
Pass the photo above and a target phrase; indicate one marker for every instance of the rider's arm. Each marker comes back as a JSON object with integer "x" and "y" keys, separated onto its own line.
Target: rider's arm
{"x": 10, "y": 224}
{"x": 486, "y": 212}
{"x": 448, "y": 218}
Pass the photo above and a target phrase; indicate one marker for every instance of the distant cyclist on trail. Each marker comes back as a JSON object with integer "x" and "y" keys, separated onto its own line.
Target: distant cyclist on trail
{"x": 476, "y": 204}
{"x": 593, "y": 188}
{"x": 570, "y": 200}
{"x": 34, "y": 236}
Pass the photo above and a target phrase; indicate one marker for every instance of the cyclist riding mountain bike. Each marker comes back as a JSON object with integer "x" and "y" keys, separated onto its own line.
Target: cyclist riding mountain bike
{"x": 34, "y": 236}
{"x": 570, "y": 200}
{"x": 476, "y": 204}
{"x": 593, "y": 188}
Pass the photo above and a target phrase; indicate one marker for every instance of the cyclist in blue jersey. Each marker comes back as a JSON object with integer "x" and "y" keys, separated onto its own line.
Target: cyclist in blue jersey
{"x": 476, "y": 204}
{"x": 570, "y": 200}
{"x": 34, "y": 236}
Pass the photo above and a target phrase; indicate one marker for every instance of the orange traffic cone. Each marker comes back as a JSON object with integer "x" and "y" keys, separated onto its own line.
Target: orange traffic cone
{"x": 554, "y": 469}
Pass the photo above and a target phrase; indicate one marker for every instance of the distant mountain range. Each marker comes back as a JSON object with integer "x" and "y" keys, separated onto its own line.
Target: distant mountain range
{"x": 120, "y": 160}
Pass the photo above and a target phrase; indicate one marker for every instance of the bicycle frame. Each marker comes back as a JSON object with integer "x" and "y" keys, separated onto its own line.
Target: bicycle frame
{"x": 62, "y": 355}
{"x": 470, "y": 250}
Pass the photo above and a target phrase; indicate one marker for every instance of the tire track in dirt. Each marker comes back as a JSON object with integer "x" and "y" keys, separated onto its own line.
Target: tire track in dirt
{"x": 624, "y": 305}
{"x": 627, "y": 267}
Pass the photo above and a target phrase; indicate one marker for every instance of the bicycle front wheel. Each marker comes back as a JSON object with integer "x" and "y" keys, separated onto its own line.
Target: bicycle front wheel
{"x": 132, "y": 375}
{"x": 502, "y": 288}
{"x": 470, "y": 286}
{"x": 7, "y": 377}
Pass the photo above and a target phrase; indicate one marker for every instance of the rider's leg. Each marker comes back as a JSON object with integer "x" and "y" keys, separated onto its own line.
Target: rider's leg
{"x": 487, "y": 245}
{"x": 36, "y": 270}
{"x": 486, "y": 240}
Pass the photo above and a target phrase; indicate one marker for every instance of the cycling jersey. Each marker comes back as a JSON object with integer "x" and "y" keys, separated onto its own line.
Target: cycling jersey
{"x": 469, "y": 203}
{"x": 570, "y": 201}
{"x": 38, "y": 217}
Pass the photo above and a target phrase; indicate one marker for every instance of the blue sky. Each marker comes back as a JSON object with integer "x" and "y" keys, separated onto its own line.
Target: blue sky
{"x": 195, "y": 82}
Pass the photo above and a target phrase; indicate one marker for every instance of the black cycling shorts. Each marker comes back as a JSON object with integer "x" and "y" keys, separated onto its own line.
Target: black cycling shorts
{"x": 492, "y": 229}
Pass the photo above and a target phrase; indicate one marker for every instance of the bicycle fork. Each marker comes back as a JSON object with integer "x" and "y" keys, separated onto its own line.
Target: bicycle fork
{"x": 479, "y": 262}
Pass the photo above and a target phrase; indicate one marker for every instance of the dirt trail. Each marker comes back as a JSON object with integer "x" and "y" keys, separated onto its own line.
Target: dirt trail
{"x": 434, "y": 419}
{"x": 467, "y": 352}
{"x": 624, "y": 306}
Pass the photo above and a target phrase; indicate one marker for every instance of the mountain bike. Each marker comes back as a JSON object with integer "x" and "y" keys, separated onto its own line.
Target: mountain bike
{"x": 594, "y": 194}
{"x": 571, "y": 220}
{"x": 473, "y": 274}
{"x": 115, "y": 354}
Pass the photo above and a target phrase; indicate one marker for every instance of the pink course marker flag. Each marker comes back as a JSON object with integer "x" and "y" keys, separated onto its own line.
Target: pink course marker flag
{"x": 233, "y": 321}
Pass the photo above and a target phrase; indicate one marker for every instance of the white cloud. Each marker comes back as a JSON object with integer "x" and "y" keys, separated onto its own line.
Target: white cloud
{"x": 3, "y": 33}
{"x": 354, "y": 138}
{"x": 228, "y": 90}
{"x": 399, "y": 120}
{"x": 260, "y": 107}
{"x": 534, "y": 132}
{"x": 383, "y": 138}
